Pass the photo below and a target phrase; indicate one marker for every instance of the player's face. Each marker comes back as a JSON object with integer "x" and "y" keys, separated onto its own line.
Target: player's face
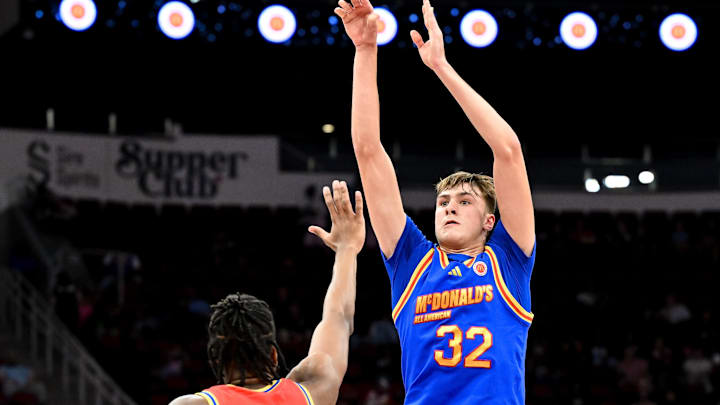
{"x": 461, "y": 217}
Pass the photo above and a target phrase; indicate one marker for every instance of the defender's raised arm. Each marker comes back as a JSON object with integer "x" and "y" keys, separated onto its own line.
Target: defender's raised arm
{"x": 324, "y": 368}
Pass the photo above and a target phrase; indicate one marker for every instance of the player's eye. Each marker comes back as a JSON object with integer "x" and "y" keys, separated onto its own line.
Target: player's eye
{"x": 465, "y": 202}
{"x": 443, "y": 203}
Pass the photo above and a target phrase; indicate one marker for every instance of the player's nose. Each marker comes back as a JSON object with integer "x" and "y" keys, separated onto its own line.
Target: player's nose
{"x": 451, "y": 208}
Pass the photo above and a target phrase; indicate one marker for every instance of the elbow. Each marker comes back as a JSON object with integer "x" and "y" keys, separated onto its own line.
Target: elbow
{"x": 362, "y": 150}
{"x": 349, "y": 317}
{"x": 344, "y": 317}
{"x": 350, "y": 325}
{"x": 364, "y": 147}
{"x": 509, "y": 151}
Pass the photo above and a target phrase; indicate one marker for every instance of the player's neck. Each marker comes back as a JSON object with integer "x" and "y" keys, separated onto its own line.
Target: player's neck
{"x": 473, "y": 250}
{"x": 250, "y": 383}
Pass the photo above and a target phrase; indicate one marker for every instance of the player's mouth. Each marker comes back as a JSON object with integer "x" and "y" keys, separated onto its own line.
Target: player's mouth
{"x": 451, "y": 222}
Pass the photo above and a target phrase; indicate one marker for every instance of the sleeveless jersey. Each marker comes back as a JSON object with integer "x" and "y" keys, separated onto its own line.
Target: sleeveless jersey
{"x": 462, "y": 321}
{"x": 282, "y": 391}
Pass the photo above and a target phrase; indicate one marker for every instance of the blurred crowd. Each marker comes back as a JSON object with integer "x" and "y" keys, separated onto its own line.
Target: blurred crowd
{"x": 625, "y": 306}
{"x": 20, "y": 382}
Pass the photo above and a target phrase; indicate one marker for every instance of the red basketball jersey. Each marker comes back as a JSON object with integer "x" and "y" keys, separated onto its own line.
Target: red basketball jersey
{"x": 282, "y": 391}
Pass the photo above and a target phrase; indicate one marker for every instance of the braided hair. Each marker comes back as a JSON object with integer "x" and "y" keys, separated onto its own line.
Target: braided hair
{"x": 241, "y": 335}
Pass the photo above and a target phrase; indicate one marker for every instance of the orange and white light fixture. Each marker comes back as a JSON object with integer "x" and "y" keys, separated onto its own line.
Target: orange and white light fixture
{"x": 387, "y": 26}
{"x": 78, "y": 15}
{"x": 578, "y": 30}
{"x": 176, "y": 20}
{"x": 277, "y": 23}
{"x": 479, "y": 28}
{"x": 678, "y": 32}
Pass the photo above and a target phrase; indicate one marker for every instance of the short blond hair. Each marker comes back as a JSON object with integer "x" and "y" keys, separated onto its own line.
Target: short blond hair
{"x": 484, "y": 183}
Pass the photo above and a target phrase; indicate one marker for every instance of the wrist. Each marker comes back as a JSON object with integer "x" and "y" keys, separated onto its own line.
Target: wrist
{"x": 442, "y": 67}
{"x": 347, "y": 248}
{"x": 366, "y": 48}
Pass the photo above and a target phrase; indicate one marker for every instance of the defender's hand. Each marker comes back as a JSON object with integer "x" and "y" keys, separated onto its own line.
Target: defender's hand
{"x": 348, "y": 227}
{"x": 431, "y": 51}
{"x": 360, "y": 22}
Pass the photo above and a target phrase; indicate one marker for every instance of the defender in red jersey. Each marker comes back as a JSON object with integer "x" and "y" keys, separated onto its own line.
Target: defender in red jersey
{"x": 242, "y": 348}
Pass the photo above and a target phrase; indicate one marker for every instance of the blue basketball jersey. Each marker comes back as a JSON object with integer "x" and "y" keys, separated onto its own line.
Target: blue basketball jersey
{"x": 462, "y": 321}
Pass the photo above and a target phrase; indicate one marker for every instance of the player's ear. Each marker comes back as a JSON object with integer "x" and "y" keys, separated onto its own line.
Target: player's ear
{"x": 274, "y": 356}
{"x": 489, "y": 222}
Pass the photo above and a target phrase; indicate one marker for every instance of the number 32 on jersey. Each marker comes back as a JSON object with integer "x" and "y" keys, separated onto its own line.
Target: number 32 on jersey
{"x": 471, "y": 360}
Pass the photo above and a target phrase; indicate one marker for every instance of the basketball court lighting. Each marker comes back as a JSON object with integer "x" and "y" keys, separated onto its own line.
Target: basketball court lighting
{"x": 176, "y": 20}
{"x": 678, "y": 32}
{"x": 78, "y": 15}
{"x": 592, "y": 185}
{"x": 478, "y": 28}
{"x": 387, "y": 26}
{"x": 646, "y": 177}
{"x": 578, "y": 30}
{"x": 616, "y": 181}
{"x": 277, "y": 24}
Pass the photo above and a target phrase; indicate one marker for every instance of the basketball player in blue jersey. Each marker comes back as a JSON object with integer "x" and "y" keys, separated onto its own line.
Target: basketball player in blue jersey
{"x": 461, "y": 306}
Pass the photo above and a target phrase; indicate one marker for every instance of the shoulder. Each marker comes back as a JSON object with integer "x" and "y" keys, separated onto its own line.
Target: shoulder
{"x": 317, "y": 373}
{"x": 188, "y": 400}
{"x": 410, "y": 240}
{"x": 313, "y": 368}
{"x": 501, "y": 240}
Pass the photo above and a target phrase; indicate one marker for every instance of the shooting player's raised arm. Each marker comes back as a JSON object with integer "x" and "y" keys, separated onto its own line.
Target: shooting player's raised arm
{"x": 511, "y": 181}
{"x": 377, "y": 173}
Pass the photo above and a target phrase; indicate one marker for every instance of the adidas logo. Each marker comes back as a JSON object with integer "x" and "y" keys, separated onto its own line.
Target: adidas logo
{"x": 455, "y": 272}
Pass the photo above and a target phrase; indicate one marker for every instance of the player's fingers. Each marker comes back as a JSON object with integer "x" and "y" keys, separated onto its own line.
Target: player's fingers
{"x": 340, "y": 12}
{"x": 426, "y": 16}
{"x": 345, "y": 204}
{"x": 372, "y": 25}
{"x": 337, "y": 196}
{"x": 319, "y": 232}
{"x": 431, "y": 22}
{"x": 329, "y": 202}
{"x": 359, "y": 205}
{"x": 417, "y": 39}
{"x": 345, "y": 6}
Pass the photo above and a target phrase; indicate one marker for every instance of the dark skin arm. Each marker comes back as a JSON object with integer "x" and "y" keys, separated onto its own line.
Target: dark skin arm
{"x": 322, "y": 371}
{"x": 188, "y": 400}
{"x": 324, "y": 368}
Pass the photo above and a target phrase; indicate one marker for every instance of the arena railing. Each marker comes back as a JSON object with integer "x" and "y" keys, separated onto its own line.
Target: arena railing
{"x": 29, "y": 318}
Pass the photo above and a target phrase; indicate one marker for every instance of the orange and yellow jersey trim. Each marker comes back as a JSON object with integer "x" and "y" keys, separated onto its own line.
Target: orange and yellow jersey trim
{"x": 504, "y": 291}
{"x": 445, "y": 261}
{"x": 279, "y": 391}
{"x": 419, "y": 270}
{"x": 305, "y": 391}
{"x": 209, "y": 397}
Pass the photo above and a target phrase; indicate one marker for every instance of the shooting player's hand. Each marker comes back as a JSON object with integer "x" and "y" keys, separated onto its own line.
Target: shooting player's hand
{"x": 348, "y": 226}
{"x": 360, "y": 22}
{"x": 432, "y": 51}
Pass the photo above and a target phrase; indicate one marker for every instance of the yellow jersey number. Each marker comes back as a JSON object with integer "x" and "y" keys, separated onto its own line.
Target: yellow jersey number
{"x": 471, "y": 360}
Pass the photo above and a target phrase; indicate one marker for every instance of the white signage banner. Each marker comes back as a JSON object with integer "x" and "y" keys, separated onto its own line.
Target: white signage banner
{"x": 189, "y": 170}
